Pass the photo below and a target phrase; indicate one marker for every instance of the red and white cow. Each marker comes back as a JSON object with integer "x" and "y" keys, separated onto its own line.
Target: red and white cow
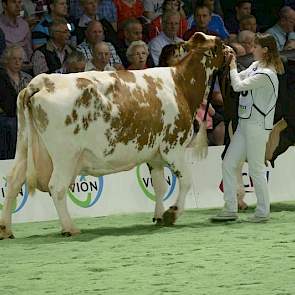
{"x": 97, "y": 123}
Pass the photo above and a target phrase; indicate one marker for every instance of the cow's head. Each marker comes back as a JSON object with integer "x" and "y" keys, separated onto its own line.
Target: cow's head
{"x": 211, "y": 46}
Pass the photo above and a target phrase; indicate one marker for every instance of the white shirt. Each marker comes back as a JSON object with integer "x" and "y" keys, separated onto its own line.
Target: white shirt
{"x": 156, "y": 45}
{"x": 258, "y": 85}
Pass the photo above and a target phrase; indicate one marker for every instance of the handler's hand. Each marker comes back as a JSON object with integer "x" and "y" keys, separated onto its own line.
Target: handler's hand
{"x": 233, "y": 62}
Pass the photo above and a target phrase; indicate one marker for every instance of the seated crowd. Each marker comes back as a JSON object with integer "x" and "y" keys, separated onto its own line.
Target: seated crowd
{"x": 59, "y": 36}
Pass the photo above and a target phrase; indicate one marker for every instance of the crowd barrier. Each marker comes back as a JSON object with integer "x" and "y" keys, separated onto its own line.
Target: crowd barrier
{"x": 132, "y": 191}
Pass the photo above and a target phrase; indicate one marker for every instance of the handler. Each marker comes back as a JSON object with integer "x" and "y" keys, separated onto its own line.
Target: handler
{"x": 258, "y": 86}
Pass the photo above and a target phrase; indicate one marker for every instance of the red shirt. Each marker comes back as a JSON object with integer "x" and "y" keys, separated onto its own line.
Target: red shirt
{"x": 156, "y": 27}
{"x": 125, "y": 11}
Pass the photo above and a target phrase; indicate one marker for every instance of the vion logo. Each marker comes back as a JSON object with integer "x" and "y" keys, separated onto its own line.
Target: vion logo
{"x": 86, "y": 191}
{"x": 146, "y": 184}
{"x": 20, "y": 200}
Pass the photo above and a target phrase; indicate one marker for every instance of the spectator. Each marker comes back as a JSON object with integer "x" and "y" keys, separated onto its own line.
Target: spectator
{"x": 202, "y": 20}
{"x": 283, "y": 30}
{"x": 242, "y": 7}
{"x": 152, "y": 8}
{"x": 238, "y": 48}
{"x": 248, "y": 22}
{"x": 213, "y": 5}
{"x": 216, "y": 23}
{"x": 89, "y": 8}
{"x": 290, "y": 45}
{"x": 156, "y": 24}
{"x": 215, "y": 132}
{"x": 132, "y": 31}
{"x": 246, "y": 38}
{"x": 101, "y": 58}
{"x": 137, "y": 54}
{"x": 171, "y": 20}
{"x": 58, "y": 11}
{"x": 2, "y": 42}
{"x": 128, "y": 9}
{"x": 94, "y": 34}
{"x": 12, "y": 81}
{"x": 50, "y": 57}
{"x": 106, "y": 10}
{"x": 33, "y": 11}
{"x": 15, "y": 28}
{"x": 170, "y": 55}
{"x": 75, "y": 62}
{"x": 266, "y": 12}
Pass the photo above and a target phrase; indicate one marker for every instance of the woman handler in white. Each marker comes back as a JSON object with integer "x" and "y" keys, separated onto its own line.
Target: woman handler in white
{"x": 258, "y": 86}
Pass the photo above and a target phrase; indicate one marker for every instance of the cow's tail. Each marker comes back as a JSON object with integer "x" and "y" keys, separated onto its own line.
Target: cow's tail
{"x": 31, "y": 176}
{"x": 200, "y": 141}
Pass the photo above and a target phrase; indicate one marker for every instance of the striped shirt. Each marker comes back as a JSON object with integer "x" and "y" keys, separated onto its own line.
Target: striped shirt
{"x": 86, "y": 49}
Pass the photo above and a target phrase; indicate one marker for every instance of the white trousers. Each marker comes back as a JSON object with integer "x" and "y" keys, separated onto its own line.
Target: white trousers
{"x": 248, "y": 142}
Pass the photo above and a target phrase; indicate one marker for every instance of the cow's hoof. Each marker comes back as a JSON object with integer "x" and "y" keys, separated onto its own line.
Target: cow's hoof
{"x": 5, "y": 233}
{"x": 66, "y": 234}
{"x": 70, "y": 233}
{"x": 158, "y": 221}
{"x": 242, "y": 206}
{"x": 170, "y": 216}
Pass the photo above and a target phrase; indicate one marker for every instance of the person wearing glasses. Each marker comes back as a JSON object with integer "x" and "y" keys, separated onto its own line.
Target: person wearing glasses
{"x": 51, "y": 57}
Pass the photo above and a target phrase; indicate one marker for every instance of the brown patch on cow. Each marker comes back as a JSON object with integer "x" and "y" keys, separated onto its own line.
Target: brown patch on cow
{"x": 84, "y": 99}
{"x": 77, "y": 129}
{"x": 40, "y": 118}
{"x": 82, "y": 83}
{"x": 140, "y": 115}
{"x": 49, "y": 85}
{"x": 125, "y": 76}
{"x": 68, "y": 120}
{"x": 93, "y": 104}
{"x": 87, "y": 120}
{"x": 74, "y": 115}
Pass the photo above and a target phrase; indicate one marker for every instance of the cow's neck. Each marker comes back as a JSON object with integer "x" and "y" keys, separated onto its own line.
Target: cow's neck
{"x": 192, "y": 76}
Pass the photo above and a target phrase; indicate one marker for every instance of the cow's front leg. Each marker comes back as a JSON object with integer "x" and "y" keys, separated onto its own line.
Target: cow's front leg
{"x": 160, "y": 187}
{"x": 58, "y": 187}
{"x": 181, "y": 170}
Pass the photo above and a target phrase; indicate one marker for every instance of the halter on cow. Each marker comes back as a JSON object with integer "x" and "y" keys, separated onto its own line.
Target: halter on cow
{"x": 98, "y": 123}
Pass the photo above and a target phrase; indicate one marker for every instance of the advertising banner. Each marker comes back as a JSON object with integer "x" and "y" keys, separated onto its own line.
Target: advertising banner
{"x": 132, "y": 191}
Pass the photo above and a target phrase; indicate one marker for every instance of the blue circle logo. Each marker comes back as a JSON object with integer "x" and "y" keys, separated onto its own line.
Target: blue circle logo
{"x": 86, "y": 192}
{"x": 145, "y": 181}
{"x": 21, "y": 198}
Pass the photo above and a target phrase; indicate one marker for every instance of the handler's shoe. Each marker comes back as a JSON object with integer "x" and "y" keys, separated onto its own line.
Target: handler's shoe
{"x": 258, "y": 219}
{"x": 224, "y": 216}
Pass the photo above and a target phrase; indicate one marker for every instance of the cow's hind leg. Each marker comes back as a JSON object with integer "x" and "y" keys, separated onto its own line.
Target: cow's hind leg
{"x": 176, "y": 160}
{"x": 15, "y": 180}
{"x": 160, "y": 187}
{"x": 58, "y": 185}
{"x": 240, "y": 188}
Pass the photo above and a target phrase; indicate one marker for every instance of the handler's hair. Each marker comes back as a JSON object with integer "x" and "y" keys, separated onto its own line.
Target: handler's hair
{"x": 272, "y": 56}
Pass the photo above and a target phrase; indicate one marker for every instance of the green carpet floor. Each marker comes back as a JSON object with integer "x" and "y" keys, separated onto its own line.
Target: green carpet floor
{"x": 126, "y": 254}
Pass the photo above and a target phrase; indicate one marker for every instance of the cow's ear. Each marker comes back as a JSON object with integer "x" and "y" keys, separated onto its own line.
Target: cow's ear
{"x": 199, "y": 37}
